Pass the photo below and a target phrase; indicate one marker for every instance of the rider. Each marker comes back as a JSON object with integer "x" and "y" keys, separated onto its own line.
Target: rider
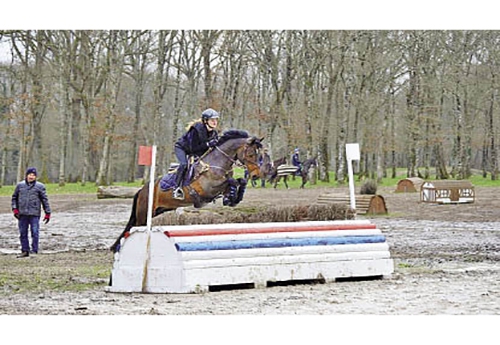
{"x": 199, "y": 137}
{"x": 296, "y": 161}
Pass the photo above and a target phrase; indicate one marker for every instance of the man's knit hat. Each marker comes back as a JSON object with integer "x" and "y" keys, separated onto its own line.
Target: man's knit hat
{"x": 31, "y": 170}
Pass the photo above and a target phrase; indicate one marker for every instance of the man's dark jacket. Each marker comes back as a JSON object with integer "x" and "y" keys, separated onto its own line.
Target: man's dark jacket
{"x": 29, "y": 197}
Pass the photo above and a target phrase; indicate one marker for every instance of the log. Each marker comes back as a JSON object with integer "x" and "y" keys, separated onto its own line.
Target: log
{"x": 365, "y": 203}
{"x": 116, "y": 192}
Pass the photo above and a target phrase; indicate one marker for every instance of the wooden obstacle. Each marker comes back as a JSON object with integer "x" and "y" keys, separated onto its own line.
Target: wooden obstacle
{"x": 409, "y": 185}
{"x": 448, "y": 192}
{"x": 116, "y": 192}
{"x": 197, "y": 258}
{"x": 365, "y": 203}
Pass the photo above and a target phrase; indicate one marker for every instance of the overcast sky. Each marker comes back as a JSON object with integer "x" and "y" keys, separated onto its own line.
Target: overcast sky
{"x": 256, "y": 14}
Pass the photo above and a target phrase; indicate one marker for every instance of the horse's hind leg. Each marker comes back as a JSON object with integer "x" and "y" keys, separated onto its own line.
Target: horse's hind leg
{"x": 115, "y": 247}
{"x": 131, "y": 222}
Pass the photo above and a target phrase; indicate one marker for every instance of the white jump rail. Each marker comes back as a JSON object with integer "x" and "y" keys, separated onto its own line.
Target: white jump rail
{"x": 193, "y": 258}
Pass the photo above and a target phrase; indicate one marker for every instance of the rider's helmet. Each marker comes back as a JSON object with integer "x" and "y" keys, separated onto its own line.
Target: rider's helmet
{"x": 209, "y": 114}
{"x": 296, "y": 150}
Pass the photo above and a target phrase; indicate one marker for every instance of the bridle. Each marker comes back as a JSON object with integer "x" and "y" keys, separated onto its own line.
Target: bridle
{"x": 235, "y": 161}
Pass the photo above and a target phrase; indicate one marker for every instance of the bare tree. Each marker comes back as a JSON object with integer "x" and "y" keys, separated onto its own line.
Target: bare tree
{"x": 115, "y": 66}
{"x": 31, "y": 52}
{"x": 419, "y": 99}
{"x": 138, "y": 48}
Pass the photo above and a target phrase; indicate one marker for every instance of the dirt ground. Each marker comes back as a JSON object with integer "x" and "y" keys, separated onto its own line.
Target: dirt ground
{"x": 446, "y": 261}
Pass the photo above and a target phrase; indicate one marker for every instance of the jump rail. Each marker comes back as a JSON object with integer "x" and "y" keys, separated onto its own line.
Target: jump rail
{"x": 193, "y": 258}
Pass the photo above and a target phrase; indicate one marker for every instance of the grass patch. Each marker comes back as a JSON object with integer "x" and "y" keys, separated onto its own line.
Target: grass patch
{"x": 69, "y": 188}
{"x": 60, "y": 272}
{"x": 91, "y": 188}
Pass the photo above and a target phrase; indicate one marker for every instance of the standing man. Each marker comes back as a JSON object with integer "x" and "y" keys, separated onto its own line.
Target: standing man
{"x": 27, "y": 200}
{"x": 265, "y": 165}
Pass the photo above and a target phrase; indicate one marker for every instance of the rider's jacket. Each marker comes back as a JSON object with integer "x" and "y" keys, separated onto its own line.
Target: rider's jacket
{"x": 194, "y": 141}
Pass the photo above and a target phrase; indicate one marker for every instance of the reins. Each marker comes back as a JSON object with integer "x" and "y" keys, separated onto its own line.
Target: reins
{"x": 236, "y": 161}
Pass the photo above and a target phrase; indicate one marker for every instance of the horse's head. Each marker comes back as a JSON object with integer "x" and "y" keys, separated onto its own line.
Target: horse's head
{"x": 313, "y": 162}
{"x": 279, "y": 161}
{"x": 248, "y": 154}
{"x": 237, "y": 145}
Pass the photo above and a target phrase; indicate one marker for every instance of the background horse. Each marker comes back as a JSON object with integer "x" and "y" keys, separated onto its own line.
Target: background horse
{"x": 273, "y": 173}
{"x": 268, "y": 170}
{"x": 283, "y": 171}
{"x": 212, "y": 173}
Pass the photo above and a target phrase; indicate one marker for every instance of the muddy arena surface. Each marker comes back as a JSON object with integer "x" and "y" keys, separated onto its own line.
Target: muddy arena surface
{"x": 446, "y": 260}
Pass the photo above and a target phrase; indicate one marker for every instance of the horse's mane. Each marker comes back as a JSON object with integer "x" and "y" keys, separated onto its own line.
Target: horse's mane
{"x": 232, "y": 134}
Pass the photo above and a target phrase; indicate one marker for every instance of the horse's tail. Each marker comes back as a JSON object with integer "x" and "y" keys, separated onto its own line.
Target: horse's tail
{"x": 131, "y": 222}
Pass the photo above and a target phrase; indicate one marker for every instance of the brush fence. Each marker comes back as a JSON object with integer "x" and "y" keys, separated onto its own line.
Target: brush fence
{"x": 194, "y": 258}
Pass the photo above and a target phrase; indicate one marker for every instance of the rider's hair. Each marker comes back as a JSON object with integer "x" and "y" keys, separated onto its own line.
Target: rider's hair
{"x": 192, "y": 123}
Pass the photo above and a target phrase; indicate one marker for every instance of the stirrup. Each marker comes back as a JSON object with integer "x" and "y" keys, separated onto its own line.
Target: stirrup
{"x": 178, "y": 193}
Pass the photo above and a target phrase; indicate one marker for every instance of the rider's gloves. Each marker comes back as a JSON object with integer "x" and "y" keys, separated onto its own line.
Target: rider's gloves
{"x": 212, "y": 143}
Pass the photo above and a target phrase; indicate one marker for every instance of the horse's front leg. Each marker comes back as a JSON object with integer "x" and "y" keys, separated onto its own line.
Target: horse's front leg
{"x": 304, "y": 181}
{"x": 286, "y": 183}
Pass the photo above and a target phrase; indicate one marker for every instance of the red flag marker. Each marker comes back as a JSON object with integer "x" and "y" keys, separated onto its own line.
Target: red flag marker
{"x": 145, "y": 155}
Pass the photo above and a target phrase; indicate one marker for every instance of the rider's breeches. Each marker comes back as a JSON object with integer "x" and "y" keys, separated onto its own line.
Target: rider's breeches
{"x": 183, "y": 163}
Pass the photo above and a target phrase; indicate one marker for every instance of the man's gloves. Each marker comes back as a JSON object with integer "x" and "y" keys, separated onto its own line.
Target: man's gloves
{"x": 46, "y": 219}
{"x": 212, "y": 143}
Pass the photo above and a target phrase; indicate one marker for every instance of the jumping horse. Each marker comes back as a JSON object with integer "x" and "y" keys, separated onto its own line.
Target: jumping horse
{"x": 283, "y": 171}
{"x": 212, "y": 175}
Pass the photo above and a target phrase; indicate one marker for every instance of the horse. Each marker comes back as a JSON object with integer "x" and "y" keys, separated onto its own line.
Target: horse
{"x": 212, "y": 179}
{"x": 283, "y": 171}
{"x": 267, "y": 170}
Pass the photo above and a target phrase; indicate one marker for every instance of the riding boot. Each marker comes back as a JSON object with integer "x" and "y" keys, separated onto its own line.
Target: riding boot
{"x": 178, "y": 193}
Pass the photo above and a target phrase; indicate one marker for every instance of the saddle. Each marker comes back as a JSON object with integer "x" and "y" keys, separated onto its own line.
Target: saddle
{"x": 195, "y": 168}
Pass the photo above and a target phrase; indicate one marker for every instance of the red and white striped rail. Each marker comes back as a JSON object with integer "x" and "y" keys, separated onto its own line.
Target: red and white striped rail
{"x": 192, "y": 258}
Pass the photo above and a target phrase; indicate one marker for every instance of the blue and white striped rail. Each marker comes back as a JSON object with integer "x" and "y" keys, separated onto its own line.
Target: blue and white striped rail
{"x": 191, "y": 258}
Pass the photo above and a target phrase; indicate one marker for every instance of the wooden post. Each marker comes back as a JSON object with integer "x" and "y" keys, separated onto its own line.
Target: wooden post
{"x": 151, "y": 188}
{"x": 352, "y": 153}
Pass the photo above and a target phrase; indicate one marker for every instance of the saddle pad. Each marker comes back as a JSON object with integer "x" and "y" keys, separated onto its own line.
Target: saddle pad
{"x": 286, "y": 169}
